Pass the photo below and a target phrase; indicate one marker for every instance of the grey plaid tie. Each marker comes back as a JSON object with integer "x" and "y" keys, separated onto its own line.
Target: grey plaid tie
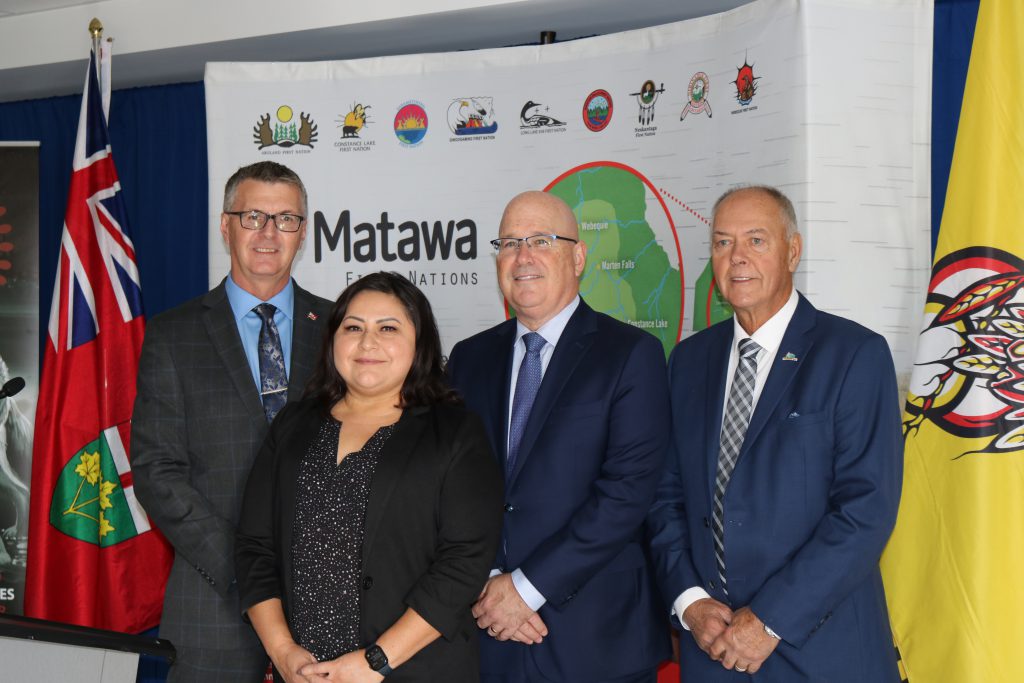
{"x": 527, "y": 384}
{"x": 734, "y": 428}
{"x": 273, "y": 377}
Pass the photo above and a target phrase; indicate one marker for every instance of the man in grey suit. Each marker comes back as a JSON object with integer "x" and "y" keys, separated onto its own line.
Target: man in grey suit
{"x": 213, "y": 373}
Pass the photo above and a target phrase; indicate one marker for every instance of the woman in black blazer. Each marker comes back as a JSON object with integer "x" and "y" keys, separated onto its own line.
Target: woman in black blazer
{"x": 373, "y": 511}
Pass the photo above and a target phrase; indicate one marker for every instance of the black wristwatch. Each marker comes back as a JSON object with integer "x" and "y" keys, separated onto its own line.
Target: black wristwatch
{"x": 377, "y": 660}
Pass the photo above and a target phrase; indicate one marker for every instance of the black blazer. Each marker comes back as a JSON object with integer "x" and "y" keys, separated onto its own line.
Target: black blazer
{"x": 431, "y": 530}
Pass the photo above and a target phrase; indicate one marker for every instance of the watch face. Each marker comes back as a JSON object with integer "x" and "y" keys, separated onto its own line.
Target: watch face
{"x": 376, "y": 658}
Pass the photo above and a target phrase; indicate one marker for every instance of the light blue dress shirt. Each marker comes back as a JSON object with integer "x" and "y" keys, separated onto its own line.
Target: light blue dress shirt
{"x": 249, "y": 324}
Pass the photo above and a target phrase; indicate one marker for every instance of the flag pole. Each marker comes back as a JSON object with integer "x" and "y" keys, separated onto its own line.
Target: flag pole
{"x": 96, "y": 31}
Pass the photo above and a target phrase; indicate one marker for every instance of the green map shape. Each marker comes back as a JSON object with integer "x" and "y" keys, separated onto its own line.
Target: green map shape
{"x": 75, "y": 507}
{"x": 708, "y": 306}
{"x": 628, "y": 274}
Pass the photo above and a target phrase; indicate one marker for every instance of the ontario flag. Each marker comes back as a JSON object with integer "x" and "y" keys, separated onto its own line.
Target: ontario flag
{"x": 93, "y": 557}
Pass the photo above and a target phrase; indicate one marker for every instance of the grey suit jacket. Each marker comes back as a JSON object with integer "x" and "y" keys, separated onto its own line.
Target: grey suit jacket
{"x": 197, "y": 426}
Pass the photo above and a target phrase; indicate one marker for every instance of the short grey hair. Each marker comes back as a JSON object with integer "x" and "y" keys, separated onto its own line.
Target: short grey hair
{"x": 786, "y": 209}
{"x": 264, "y": 172}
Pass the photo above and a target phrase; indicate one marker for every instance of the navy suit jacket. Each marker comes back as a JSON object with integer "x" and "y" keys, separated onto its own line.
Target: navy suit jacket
{"x": 809, "y": 506}
{"x": 588, "y": 464}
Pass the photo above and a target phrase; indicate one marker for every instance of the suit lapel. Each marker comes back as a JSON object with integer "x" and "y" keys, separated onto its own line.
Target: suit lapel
{"x": 496, "y": 385}
{"x": 797, "y": 341}
{"x": 576, "y": 339}
{"x": 392, "y": 461}
{"x": 717, "y": 370}
{"x": 219, "y": 321}
{"x": 307, "y": 336}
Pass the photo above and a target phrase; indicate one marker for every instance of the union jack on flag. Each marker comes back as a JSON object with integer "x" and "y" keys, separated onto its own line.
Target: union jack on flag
{"x": 93, "y": 558}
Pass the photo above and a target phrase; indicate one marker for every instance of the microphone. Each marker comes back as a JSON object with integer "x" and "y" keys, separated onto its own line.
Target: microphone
{"x": 12, "y": 387}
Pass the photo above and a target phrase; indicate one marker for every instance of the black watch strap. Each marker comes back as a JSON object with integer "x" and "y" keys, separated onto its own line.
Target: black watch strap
{"x": 377, "y": 660}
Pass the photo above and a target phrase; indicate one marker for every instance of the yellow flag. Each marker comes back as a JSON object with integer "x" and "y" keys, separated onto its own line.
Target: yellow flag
{"x": 954, "y": 567}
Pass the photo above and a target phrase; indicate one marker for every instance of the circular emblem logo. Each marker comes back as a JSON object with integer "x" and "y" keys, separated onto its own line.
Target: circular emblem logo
{"x": 411, "y": 124}
{"x": 597, "y": 110}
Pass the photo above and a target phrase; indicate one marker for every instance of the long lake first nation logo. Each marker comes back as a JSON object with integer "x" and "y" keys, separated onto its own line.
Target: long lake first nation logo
{"x": 285, "y": 131}
{"x": 597, "y": 110}
{"x": 969, "y": 375}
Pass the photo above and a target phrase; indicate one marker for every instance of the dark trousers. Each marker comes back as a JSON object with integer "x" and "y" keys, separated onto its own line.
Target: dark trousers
{"x": 201, "y": 665}
{"x": 526, "y": 672}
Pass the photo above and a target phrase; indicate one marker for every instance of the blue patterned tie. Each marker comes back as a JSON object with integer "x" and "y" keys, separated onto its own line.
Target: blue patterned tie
{"x": 273, "y": 378}
{"x": 734, "y": 429}
{"x": 527, "y": 384}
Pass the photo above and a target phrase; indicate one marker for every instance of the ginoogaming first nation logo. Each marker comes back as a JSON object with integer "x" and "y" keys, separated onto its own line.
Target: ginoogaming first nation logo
{"x": 284, "y": 131}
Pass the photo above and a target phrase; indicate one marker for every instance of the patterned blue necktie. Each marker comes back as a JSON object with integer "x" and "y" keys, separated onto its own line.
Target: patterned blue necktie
{"x": 527, "y": 384}
{"x": 734, "y": 429}
{"x": 273, "y": 378}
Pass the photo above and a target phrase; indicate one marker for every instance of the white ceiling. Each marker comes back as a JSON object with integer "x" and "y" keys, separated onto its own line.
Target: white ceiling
{"x": 44, "y": 43}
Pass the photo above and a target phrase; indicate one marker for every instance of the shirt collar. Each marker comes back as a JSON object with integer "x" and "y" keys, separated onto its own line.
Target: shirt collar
{"x": 242, "y": 302}
{"x": 769, "y": 335}
{"x": 551, "y": 330}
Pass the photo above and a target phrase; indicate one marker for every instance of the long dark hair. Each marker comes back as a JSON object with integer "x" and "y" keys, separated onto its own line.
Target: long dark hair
{"x": 425, "y": 384}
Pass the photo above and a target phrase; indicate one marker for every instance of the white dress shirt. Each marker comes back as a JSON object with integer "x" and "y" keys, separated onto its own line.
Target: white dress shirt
{"x": 769, "y": 338}
{"x": 551, "y": 331}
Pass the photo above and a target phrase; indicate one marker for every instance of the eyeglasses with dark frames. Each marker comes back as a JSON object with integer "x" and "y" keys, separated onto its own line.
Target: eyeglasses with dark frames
{"x": 255, "y": 220}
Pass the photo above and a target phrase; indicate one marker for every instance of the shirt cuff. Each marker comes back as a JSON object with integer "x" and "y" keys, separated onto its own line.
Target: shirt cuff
{"x": 530, "y": 595}
{"x": 685, "y": 599}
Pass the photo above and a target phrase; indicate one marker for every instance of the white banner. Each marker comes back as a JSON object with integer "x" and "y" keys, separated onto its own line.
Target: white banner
{"x": 410, "y": 160}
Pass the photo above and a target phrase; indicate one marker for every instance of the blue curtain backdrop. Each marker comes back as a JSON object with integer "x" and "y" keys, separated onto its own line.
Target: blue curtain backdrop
{"x": 158, "y": 136}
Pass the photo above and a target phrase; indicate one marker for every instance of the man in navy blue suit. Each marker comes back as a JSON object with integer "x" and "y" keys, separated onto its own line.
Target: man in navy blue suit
{"x": 576, "y": 406}
{"x": 784, "y": 473}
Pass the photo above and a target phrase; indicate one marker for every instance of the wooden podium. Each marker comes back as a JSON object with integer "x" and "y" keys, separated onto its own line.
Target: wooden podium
{"x": 47, "y": 651}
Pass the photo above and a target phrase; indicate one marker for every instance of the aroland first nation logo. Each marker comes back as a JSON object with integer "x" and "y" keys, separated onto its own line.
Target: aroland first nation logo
{"x": 284, "y": 132}
{"x": 597, "y": 110}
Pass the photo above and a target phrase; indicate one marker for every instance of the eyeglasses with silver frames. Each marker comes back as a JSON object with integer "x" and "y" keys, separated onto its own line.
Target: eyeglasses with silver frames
{"x": 511, "y": 245}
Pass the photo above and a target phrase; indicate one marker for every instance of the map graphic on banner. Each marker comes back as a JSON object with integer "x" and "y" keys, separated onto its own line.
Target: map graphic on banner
{"x": 416, "y": 156}
{"x": 629, "y": 274}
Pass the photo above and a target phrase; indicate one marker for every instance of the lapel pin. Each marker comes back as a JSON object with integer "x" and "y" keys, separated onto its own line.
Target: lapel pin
{"x": 311, "y": 315}
{"x": 790, "y": 356}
